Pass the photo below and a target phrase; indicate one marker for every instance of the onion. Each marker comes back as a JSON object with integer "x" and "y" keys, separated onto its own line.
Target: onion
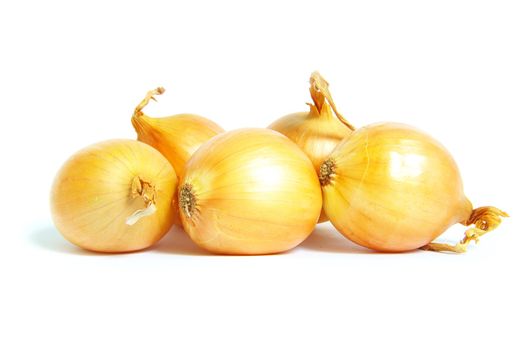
{"x": 391, "y": 187}
{"x": 114, "y": 196}
{"x": 317, "y": 131}
{"x": 176, "y": 137}
{"x": 249, "y": 191}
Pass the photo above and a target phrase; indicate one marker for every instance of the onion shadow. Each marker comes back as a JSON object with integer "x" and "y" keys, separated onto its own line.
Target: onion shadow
{"x": 324, "y": 238}
{"x": 176, "y": 241}
{"x": 48, "y": 238}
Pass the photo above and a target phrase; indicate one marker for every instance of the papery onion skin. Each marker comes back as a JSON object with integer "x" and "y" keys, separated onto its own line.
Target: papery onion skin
{"x": 176, "y": 137}
{"x": 318, "y": 131}
{"x": 101, "y": 186}
{"x": 392, "y": 188}
{"x": 249, "y": 191}
{"x": 315, "y": 133}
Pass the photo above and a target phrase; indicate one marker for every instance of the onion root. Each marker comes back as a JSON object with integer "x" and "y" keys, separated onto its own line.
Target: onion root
{"x": 142, "y": 188}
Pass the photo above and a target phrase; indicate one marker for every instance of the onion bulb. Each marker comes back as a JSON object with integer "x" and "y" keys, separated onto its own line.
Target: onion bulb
{"x": 176, "y": 137}
{"x": 114, "y": 196}
{"x": 393, "y": 188}
{"x": 249, "y": 191}
{"x": 317, "y": 131}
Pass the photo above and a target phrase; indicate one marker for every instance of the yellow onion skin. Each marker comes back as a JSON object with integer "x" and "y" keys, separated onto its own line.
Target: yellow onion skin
{"x": 249, "y": 191}
{"x": 318, "y": 131}
{"x": 177, "y": 137}
{"x": 101, "y": 186}
{"x": 315, "y": 133}
{"x": 392, "y": 188}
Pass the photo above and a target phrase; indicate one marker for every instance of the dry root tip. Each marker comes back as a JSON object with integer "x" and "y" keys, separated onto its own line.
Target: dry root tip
{"x": 484, "y": 219}
{"x": 442, "y": 247}
{"x": 187, "y": 200}
{"x": 141, "y": 213}
{"x": 142, "y": 188}
{"x": 327, "y": 171}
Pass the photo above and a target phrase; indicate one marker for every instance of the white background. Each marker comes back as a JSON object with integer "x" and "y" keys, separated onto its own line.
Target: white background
{"x": 71, "y": 74}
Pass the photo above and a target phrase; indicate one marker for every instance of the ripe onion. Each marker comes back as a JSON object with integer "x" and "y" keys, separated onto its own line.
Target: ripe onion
{"x": 176, "y": 137}
{"x": 317, "y": 131}
{"x": 391, "y": 187}
{"x": 249, "y": 191}
{"x": 114, "y": 196}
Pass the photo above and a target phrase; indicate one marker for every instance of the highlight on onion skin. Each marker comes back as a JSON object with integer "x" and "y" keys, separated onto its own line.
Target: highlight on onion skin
{"x": 317, "y": 131}
{"x": 114, "y": 196}
{"x": 249, "y": 191}
{"x": 392, "y": 188}
{"x": 177, "y": 137}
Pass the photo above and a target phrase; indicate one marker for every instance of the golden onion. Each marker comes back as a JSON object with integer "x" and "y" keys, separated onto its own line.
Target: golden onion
{"x": 391, "y": 187}
{"x": 249, "y": 191}
{"x": 317, "y": 131}
{"x": 114, "y": 196}
{"x": 176, "y": 137}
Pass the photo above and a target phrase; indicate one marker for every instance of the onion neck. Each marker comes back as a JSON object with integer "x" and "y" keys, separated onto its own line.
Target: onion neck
{"x": 138, "y": 114}
{"x": 141, "y": 122}
{"x": 320, "y": 93}
{"x": 138, "y": 111}
{"x": 318, "y": 98}
{"x": 484, "y": 219}
{"x": 147, "y": 191}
